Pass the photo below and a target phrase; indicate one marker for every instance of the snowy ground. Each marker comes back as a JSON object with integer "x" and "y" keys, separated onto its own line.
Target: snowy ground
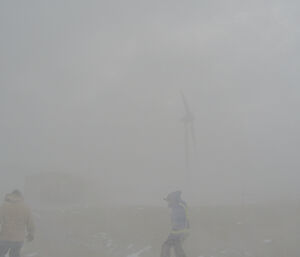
{"x": 139, "y": 232}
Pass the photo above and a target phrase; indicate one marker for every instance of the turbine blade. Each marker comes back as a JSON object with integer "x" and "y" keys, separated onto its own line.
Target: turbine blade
{"x": 185, "y": 103}
{"x": 186, "y": 144}
{"x": 194, "y": 138}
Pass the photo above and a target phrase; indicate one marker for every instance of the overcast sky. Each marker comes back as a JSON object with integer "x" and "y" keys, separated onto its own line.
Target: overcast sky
{"x": 93, "y": 87}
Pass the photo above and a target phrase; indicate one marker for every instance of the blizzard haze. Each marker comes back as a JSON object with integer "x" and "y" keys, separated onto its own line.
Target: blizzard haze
{"x": 93, "y": 88}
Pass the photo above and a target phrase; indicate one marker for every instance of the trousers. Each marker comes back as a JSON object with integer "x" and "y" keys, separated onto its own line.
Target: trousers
{"x": 175, "y": 242}
{"x": 13, "y": 248}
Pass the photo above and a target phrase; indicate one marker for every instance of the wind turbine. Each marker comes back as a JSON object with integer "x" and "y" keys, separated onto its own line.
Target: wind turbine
{"x": 189, "y": 132}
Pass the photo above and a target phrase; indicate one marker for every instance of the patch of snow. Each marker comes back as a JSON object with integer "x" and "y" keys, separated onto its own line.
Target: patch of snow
{"x": 36, "y": 215}
{"x": 137, "y": 254}
{"x": 268, "y": 241}
{"x": 100, "y": 234}
{"x": 109, "y": 243}
{"x": 31, "y": 255}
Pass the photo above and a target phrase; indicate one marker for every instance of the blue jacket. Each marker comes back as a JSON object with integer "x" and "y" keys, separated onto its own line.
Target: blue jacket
{"x": 179, "y": 219}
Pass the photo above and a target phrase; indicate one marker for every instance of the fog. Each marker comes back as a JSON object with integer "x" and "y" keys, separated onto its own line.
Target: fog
{"x": 93, "y": 88}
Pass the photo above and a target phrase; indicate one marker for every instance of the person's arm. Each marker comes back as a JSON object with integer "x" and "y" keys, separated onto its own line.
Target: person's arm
{"x": 1, "y": 214}
{"x": 30, "y": 227}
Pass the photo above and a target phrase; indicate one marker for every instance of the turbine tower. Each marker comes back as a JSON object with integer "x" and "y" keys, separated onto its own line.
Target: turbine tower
{"x": 190, "y": 143}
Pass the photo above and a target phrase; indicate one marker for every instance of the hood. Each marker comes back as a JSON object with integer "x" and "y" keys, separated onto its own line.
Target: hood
{"x": 12, "y": 198}
{"x": 174, "y": 197}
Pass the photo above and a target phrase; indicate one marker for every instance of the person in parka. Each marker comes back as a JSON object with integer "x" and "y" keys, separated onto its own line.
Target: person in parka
{"x": 16, "y": 224}
{"x": 180, "y": 225}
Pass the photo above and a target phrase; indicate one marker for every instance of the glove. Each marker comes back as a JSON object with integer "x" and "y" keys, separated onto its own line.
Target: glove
{"x": 30, "y": 237}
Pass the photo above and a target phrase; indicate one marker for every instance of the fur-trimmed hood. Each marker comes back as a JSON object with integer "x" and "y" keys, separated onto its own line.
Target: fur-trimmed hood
{"x": 13, "y": 198}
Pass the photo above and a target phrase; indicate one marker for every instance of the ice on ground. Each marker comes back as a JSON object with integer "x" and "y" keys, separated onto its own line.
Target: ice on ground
{"x": 109, "y": 243}
{"x": 130, "y": 246}
{"x": 268, "y": 241}
{"x": 138, "y": 253}
{"x": 31, "y": 254}
{"x": 36, "y": 215}
{"x": 100, "y": 234}
{"x": 235, "y": 252}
